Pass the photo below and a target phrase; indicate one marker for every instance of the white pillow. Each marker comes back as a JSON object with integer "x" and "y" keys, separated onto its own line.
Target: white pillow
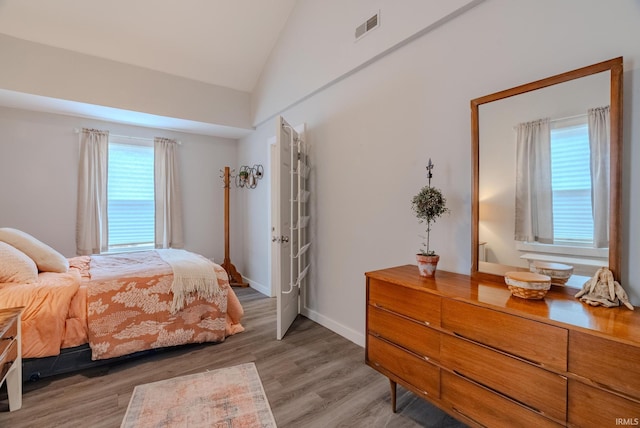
{"x": 46, "y": 258}
{"x": 16, "y": 266}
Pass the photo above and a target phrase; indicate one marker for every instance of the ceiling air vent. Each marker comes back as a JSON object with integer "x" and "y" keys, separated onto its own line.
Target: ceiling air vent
{"x": 368, "y": 25}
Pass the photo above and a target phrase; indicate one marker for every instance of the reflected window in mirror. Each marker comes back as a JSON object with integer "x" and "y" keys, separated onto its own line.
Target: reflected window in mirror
{"x": 573, "y": 214}
{"x": 560, "y": 204}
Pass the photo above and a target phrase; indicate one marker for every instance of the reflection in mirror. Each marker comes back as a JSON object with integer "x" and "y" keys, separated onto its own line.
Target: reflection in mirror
{"x": 546, "y": 179}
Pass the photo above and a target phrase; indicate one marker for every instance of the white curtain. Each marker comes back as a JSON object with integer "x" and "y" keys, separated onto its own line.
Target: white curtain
{"x": 91, "y": 220}
{"x": 599, "y": 143}
{"x": 168, "y": 199}
{"x": 534, "y": 197}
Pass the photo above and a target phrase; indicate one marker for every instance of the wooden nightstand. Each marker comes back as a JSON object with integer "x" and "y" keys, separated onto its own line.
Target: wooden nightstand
{"x": 11, "y": 355}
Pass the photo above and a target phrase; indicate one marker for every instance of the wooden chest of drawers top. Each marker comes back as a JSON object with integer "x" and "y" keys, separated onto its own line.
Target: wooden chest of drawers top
{"x": 559, "y": 307}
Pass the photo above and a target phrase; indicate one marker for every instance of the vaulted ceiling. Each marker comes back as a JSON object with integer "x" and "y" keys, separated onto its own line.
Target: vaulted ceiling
{"x": 220, "y": 42}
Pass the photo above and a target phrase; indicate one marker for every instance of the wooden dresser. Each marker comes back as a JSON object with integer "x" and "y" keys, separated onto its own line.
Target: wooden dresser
{"x": 490, "y": 359}
{"x": 11, "y": 355}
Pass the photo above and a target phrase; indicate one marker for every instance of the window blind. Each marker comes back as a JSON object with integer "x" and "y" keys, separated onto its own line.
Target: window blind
{"x": 571, "y": 184}
{"x": 130, "y": 194}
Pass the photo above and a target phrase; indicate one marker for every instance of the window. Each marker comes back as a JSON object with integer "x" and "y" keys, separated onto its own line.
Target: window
{"x": 130, "y": 194}
{"x": 571, "y": 183}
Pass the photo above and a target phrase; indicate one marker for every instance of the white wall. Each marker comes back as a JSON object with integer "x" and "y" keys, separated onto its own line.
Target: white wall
{"x": 37, "y": 69}
{"x": 252, "y": 205}
{"x": 372, "y": 132}
{"x": 318, "y": 45}
{"x": 39, "y": 166}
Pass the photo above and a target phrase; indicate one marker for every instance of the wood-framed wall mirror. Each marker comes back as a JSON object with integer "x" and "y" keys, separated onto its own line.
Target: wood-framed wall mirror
{"x": 546, "y": 179}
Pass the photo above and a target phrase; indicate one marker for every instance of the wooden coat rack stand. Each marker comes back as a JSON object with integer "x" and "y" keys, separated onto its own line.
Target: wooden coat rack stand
{"x": 235, "y": 277}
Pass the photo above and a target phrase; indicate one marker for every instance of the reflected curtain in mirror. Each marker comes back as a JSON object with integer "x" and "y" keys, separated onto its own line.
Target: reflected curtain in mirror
{"x": 534, "y": 207}
{"x": 599, "y": 143}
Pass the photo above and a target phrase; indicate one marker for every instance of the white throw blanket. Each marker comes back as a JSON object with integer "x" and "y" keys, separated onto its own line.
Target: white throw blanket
{"x": 192, "y": 273}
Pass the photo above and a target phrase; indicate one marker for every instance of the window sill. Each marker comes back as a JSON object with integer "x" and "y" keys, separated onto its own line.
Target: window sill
{"x": 566, "y": 250}
{"x": 129, "y": 249}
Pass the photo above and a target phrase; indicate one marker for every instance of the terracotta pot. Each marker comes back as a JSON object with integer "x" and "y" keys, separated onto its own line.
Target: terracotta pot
{"x": 427, "y": 264}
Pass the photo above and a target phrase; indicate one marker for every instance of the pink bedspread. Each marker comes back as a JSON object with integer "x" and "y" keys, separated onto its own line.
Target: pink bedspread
{"x": 119, "y": 304}
{"x": 46, "y": 309}
{"x": 128, "y": 307}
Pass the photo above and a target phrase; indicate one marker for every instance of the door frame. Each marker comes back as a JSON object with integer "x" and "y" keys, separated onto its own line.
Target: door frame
{"x": 274, "y": 183}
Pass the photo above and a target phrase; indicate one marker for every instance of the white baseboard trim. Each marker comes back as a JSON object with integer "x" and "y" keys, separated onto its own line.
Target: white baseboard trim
{"x": 259, "y": 287}
{"x": 352, "y": 335}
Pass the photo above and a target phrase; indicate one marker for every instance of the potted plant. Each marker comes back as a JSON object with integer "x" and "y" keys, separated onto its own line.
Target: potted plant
{"x": 244, "y": 177}
{"x": 428, "y": 205}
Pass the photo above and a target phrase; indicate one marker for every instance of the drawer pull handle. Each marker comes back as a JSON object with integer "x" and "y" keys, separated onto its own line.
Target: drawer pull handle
{"x": 425, "y": 358}
{"x": 615, "y": 391}
{"x": 8, "y": 338}
{"x": 506, "y": 397}
{"x": 455, "y": 409}
{"x": 503, "y": 352}
{"x": 407, "y": 317}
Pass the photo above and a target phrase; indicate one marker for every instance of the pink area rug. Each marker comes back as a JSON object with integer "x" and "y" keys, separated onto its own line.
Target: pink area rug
{"x": 231, "y": 397}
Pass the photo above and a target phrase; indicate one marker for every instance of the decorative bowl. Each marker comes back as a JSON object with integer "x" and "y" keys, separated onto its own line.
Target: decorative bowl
{"x": 527, "y": 285}
{"x": 558, "y": 272}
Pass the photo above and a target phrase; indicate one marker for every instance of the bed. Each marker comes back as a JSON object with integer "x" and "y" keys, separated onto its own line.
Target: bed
{"x": 88, "y": 310}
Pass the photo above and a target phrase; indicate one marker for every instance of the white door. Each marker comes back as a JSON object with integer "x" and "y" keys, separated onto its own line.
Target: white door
{"x": 286, "y": 293}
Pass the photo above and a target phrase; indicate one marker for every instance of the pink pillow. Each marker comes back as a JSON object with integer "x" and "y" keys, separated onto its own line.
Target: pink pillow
{"x": 16, "y": 266}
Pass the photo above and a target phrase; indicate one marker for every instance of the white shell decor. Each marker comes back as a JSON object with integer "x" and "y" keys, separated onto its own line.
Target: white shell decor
{"x": 558, "y": 272}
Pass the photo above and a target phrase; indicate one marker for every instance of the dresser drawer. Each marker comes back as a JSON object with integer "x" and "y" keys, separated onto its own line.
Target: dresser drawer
{"x": 411, "y": 335}
{"x": 593, "y": 407}
{"x": 484, "y": 407}
{"x": 423, "y": 375}
{"x": 421, "y": 306}
{"x": 537, "y": 388}
{"x": 8, "y": 357}
{"x": 537, "y": 342}
{"x": 614, "y": 364}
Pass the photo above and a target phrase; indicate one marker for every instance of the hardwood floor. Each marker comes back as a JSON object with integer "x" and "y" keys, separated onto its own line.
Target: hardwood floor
{"x": 312, "y": 378}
